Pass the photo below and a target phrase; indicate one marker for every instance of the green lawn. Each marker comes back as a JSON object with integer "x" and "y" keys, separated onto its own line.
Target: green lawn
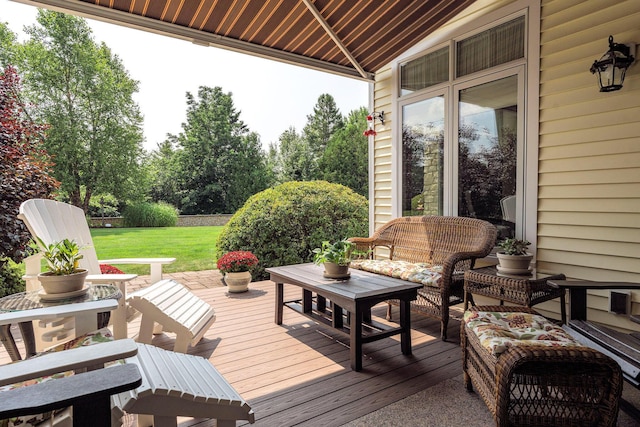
{"x": 193, "y": 247}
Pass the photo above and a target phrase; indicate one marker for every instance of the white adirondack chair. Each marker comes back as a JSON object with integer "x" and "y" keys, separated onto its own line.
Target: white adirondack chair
{"x": 53, "y": 221}
{"x": 156, "y": 384}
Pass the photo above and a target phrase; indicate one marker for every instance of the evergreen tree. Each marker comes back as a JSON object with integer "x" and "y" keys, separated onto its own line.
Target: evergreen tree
{"x": 321, "y": 125}
{"x": 220, "y": 162}
{"x": 346, "y": 158}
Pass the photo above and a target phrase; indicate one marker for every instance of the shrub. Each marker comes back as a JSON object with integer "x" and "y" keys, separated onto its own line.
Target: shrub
{"x": 150, "y": 215}
{"x": 10, "y": 277}
{"x": 100, "y": 204}
{"x": 282, "y": 225}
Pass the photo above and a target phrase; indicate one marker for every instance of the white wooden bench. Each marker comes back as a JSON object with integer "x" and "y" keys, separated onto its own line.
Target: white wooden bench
{"x": 174, "y": 385}
{"x": 173, "y": 306}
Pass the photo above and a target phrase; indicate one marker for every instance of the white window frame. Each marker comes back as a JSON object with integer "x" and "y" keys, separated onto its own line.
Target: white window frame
{"x": 528, "y": 91}
{"x": 451, "y": 178}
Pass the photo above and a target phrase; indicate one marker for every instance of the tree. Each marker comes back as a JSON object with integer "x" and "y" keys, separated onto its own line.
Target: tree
{"x": 295, "y": 160}
{"x": 220, "y": 162}
{"x": 322, "y": 124}
{"x": 346, "y": 158}
{"x": 24, "y": 174}
{"x": 8, "y": 41}
{"x": 162, "y": 168}
{"x": 85, "y": 94}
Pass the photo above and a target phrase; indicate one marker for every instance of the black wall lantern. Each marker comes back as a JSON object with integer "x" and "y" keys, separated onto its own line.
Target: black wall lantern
{"x": 612, "y": 67}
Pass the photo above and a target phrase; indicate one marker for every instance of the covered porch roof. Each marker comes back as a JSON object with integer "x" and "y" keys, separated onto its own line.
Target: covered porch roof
{"x": 345, "y": 37}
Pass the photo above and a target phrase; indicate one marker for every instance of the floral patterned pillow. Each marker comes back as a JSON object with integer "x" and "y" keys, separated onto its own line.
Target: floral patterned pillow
{"x": 498, "y": 331}
{"x": 426, "y": 274}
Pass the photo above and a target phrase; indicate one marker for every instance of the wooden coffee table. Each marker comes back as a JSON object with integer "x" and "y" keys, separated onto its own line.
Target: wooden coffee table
{"x": 355, "y": 295}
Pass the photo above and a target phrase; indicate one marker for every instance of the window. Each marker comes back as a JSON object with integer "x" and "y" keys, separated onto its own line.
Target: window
{"x": 422, "y": 152}
{"x": 461, "y": 135}
{"x": 490, "y": 48}
{"x": 426, "y": 71}
{"x": 487, "y": 147}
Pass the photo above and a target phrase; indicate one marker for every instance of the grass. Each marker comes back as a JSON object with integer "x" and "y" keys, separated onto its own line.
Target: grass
{"x": 193, "y": 247}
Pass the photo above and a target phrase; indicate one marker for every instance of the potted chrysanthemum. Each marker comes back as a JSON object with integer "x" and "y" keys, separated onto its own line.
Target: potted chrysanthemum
{"x": 236, "y": 267}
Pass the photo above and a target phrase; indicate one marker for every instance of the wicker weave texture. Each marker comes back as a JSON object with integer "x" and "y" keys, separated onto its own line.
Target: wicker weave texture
{"x": 524, "y": 290}
{"x": 542, "y": 386}
{"x": 452, "y": 242}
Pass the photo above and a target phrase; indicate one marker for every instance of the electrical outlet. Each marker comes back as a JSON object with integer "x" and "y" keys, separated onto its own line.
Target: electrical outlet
{"x": 620, "y": 302}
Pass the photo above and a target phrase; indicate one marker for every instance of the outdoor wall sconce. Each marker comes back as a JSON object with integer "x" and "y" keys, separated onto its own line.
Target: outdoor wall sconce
{"x": 612, "y": 67}
{"x": 371, "y": 118}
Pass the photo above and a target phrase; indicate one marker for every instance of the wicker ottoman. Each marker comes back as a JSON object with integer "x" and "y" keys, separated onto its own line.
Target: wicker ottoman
{"x": 528, "y": 384}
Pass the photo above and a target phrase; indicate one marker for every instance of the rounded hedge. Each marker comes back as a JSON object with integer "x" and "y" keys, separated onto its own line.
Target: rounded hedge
{"x": 282, "y": 225}
{"x": 150, "y": 215}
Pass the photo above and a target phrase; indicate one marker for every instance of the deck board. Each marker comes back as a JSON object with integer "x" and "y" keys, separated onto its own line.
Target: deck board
{"x": 298, "y": 373}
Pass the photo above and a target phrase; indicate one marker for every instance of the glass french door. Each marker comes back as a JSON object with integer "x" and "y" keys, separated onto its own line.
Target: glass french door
{"x": 423, "y": 139}
{"x": 489, "y": 128}
{"x": 462, "y": 154}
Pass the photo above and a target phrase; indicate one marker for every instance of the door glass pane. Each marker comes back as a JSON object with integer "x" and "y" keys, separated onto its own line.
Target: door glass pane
{"x": 487, "y": 148}
{"x": 422, "y": 157}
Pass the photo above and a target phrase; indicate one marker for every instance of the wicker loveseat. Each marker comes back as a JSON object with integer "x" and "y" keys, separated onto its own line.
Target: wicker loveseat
{"x": 450, "y": 245}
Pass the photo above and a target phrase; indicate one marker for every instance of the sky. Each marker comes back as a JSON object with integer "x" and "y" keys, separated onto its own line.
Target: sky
{"x": 270, "y": 96}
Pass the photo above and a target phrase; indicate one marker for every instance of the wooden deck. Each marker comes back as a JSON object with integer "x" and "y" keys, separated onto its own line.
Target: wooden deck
{"x": 298, "y": 373}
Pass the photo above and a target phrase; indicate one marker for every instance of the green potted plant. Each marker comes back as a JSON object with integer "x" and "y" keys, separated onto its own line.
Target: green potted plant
{"x": 236, "y": 267}
{"x": 336, "y": 257}
{"x": 63, "y": 274}
{"x": 514, "y": 258}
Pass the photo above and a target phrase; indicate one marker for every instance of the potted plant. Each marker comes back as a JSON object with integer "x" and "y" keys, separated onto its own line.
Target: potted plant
{"x": 514, "y": 258}
{"x": 236, "y": 267}
{"x": 63, "y": 274}
{"x": 336, "y": 257}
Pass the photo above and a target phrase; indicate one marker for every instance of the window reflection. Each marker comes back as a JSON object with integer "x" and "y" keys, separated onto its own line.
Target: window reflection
{"x": 487, "y": 149}
{"x": 422, "y": 154}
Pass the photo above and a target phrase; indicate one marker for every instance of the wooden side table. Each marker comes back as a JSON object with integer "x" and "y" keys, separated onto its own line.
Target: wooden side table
{"x": 522, "y": 290}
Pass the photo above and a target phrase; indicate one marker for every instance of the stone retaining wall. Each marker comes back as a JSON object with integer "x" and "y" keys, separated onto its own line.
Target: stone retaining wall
{"x": 183, "y": 220}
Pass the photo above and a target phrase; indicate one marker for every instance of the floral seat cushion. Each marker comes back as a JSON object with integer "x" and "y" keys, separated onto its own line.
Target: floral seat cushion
{"x": 499, "y": 331}
{"x": 426, "y": 274}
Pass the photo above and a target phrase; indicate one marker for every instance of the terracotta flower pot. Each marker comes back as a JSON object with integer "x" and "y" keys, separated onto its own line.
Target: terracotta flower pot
{"x": 59, "y": 284}
{"x": 238, "y": 282}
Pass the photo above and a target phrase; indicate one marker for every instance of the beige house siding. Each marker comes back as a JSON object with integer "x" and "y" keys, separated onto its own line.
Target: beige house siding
{"x": 588, "y": 218}
{"x": 589, "y": 155}
{"x": 382, "y": 100}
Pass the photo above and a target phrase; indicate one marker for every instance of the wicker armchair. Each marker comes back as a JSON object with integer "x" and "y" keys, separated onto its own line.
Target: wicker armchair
{"x": 451, "y": 242}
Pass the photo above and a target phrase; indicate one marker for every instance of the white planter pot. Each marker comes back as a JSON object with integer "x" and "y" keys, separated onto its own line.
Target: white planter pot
{"x": 53, "y": 284}
{"x": 514, "y": 263}
{"x": 238, "y": 282}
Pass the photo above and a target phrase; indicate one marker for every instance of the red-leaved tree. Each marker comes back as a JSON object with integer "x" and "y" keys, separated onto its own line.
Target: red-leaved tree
{"x": 24, "y": 166}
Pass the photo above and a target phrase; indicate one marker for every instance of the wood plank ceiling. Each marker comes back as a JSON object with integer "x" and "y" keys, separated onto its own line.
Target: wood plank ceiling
{"x": 349, "y": 37}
